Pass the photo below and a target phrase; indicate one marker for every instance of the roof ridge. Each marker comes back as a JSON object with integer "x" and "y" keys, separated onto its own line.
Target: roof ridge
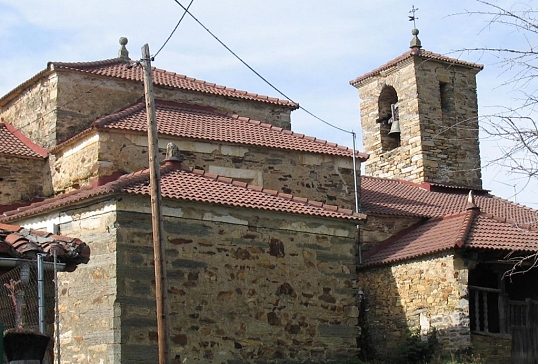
{"x": 79, "y": 65}
{"x": 40, "y": 151}
{"x": 226, "y": 88}
{"x": 160, "y": 79}
{"x": 465, "y": 228}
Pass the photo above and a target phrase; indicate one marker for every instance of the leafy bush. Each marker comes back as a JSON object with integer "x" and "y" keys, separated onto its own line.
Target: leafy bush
{"x": 418, "y": 350}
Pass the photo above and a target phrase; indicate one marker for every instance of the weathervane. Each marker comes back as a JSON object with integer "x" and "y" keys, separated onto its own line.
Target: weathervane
{"x": 413, "y": 17}
{"x": 415, "y": 42}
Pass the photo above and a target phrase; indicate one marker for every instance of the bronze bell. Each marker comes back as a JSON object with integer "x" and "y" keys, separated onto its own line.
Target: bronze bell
{"x": 394, "y": 129}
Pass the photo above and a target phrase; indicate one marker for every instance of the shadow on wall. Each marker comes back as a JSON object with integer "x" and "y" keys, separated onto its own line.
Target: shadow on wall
{"x": 403, "y": 303}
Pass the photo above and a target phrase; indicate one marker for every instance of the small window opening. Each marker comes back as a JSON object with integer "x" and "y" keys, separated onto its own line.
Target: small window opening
{"x": 446, "y": 93}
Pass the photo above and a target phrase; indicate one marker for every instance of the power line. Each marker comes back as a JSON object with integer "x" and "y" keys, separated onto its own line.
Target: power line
{"x": 257, "y": 73}
{"x": 173, "y": 31}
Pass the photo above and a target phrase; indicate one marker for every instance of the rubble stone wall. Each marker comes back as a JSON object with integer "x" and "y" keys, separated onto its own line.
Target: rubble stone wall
{"x": 64, "y": 103}
{"x": 416, "y": 296}
{"x": 448, "y": 110}
{"x": 22, "y": 179}
{"x": 76, "y": 165}
{"x": 243, "y": 286}
{"x": 380, "y": 228}
{"x": 314, "y": 176}
{"x": 32, "y": 112}
{"x": 88, "y": 306}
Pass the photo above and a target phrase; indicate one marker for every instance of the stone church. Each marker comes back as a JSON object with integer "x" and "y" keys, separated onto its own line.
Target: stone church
{"x": 266, "y": 256}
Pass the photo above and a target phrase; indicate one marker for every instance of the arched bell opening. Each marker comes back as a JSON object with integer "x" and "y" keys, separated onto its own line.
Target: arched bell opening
{"x": 389, "y": 119}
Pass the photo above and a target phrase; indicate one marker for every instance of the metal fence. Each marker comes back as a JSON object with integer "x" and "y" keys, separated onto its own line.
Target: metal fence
{"x": 20, "y": 302}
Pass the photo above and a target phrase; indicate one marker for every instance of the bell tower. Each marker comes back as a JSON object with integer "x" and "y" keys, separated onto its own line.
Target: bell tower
{"x": 419, "y": 118}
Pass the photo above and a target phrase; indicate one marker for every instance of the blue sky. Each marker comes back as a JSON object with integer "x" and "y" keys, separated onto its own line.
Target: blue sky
{"x": 309, "y": 49}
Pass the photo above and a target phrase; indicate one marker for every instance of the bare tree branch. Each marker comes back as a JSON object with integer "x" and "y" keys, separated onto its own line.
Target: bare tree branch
{"x": 514, "y": 129}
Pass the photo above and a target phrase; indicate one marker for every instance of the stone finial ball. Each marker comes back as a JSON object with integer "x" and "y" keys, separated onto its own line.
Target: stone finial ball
{"x": 414, "y": 31}
{"x": 123, "y": 41}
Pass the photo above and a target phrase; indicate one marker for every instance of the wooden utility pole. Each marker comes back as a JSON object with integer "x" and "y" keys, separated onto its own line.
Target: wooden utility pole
{"x": 156, "y": 213}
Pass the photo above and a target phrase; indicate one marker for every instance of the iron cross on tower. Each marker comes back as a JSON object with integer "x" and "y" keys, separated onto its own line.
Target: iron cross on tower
{"x": 413, "y": 17}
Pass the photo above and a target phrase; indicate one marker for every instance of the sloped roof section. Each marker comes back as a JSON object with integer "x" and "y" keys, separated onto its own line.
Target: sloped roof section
{"x": 423, "y": 54}
{"x": 391, "y": 197}
{"x": 182, "y": 183}
{"x": 491, "y": 232}
{"x": 22, "y": 243}
{"x": 205, "y": 123}
{"x": 13, "y": 142}
{"x": 432, "y": 236}
{"x": 468, "y": 229}
{"x": 119, "y": 68}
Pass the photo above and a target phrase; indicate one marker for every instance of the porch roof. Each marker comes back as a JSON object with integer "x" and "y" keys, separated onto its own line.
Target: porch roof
{"x": 465, "y": 230}
{"x": 22, "y": 243}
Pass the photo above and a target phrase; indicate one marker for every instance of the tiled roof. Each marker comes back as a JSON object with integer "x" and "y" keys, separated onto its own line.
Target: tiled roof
{"x": 22, "y": 243}
{"x": 490, "y": 232}
{"x": 181, "y": 183}
{"x": 118, "y": 68}
{"x": 381, "y": 196}
{"x": 424, "y": 54}
{"x": 204, "y": 123}
{"x": 432, "y": 236}
{"x": 13, "y": 142}
{"x": 468, "y": 229}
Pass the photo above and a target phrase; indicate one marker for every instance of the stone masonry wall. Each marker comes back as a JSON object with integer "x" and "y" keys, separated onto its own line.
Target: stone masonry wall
{"x": 417, "y": 295}
{"x": 63, "y": 103}
{"x": 32, "y": 112}
{"x": 379, "y": 228}
{"x": 88, "y": 306}
{"x": 244, "y": 286}
{"x": 449, "y": 124}
{"x": 438, "y": 121}
{"x": 405, "y": 161}
{"x": 22, "y": 179}
{"x": 76, "y": 165}
{"x": 314, "y": 176}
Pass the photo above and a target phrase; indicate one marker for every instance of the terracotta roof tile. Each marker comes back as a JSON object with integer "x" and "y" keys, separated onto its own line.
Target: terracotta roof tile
{"x": 421, "y": 239}
{"x": 192, "y": 185}
{"x": 204, "y": 123}
{"x": 487, "y": 232}
{"x": 22, "y": 243}
{"x": 469, "y": 230}
{"x": 118, "y": 68}
{"x": 13, "y": 142}
{"x": 381, "y": 196}
{"x": 424, "y": 54}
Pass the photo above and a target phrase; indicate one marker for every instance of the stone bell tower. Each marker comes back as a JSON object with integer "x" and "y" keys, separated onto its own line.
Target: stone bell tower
{"x": 419, "y": 116}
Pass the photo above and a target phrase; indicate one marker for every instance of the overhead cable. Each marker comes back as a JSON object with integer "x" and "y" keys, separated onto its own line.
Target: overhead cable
{"x": 257, "y": 73}
{"x": 175, "y": 28}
